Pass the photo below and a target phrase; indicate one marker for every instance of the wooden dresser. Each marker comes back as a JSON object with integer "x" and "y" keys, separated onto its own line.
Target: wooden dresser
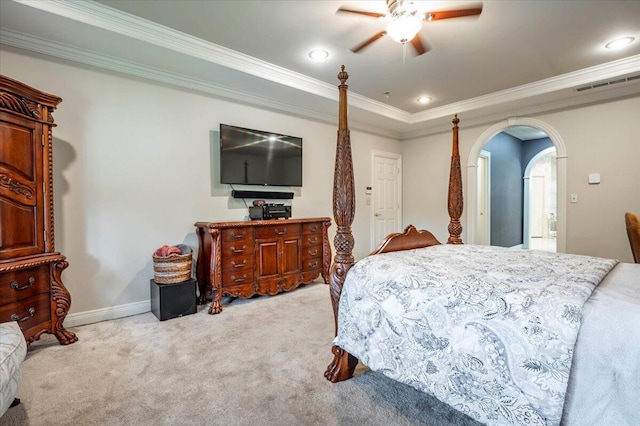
{"x": 264, "y": 257}
{"x": 31, "y": 288}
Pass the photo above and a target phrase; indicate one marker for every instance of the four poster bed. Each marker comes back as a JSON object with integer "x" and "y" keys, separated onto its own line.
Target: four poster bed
{"x": 504, "y": 336}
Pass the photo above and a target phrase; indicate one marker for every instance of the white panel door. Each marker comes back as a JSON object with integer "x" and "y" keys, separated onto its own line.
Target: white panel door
{"x": 386, "y": 196}
{"x": 537, "y": 206}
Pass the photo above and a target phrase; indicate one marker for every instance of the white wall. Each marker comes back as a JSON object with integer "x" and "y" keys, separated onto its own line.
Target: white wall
{"x": 132, "y": 171}
{"x": 602, "y": 138}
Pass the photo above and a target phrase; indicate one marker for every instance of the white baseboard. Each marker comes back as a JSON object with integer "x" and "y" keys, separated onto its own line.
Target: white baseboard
{"x": 105, "y": 314}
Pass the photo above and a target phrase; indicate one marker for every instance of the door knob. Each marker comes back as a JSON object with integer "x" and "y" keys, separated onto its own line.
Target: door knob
{"x": 377, "y": 214}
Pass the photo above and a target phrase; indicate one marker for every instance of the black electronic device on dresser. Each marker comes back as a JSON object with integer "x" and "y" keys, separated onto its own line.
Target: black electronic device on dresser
{"x": 269, "y": 211}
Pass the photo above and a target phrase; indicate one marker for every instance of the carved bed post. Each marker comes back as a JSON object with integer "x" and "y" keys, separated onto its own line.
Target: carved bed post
{"x": 455, "y": 189}
{"x": 343, "y": 364}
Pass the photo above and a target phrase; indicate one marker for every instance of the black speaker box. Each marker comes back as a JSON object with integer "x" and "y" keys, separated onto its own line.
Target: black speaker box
{"x": 173, "y": 300}
{"x": 269, "y": 195}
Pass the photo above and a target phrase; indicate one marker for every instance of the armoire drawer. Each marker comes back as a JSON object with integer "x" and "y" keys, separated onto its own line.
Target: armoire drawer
{"x": 24, "y": 283}
{"x": 28, "y": 312}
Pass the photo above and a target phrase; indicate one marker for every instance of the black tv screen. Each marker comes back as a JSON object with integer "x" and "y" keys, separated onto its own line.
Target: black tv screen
{"x": 255, "y": 157}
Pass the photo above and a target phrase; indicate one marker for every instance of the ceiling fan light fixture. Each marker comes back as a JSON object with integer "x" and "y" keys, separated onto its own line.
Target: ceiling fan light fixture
{"x": 403, "y": 28}
{"x": 619, "y": 43}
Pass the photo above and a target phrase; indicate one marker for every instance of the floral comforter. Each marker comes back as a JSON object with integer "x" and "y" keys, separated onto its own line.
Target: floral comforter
{"x": 488, "y": 330}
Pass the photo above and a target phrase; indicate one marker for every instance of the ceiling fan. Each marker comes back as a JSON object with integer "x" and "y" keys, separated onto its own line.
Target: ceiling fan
{"x": 405, "y": 22}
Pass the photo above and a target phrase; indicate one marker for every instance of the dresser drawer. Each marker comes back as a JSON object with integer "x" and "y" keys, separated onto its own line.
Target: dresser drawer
{"x": 237, "y": 248}
{"x": 232, "y": 235}
{"x": 237, "y": 278}
{"x": 274, "y": 231}
{"x": 28, "y": 312}
{"x": 238, "y": 262}
{"x": 312, "y": 228}
{"x": 313, "y": 263}
{"x": 311, "y": 252}
{"x": 311, "y": 240}
{"x": 24, "y": 283}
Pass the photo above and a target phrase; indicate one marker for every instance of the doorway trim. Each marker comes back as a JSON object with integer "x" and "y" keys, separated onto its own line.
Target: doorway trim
{"x": 486, "y": 185}
{"x": 526, "y": 179}
{"x": 561, "y": 156}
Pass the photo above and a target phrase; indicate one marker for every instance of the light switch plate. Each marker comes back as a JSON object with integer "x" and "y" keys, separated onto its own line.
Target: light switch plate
{"x": 574, "y": 198}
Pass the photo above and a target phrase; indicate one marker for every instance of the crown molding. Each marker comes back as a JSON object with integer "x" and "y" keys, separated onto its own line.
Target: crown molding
{"x": 101, "y": 16}
{"x": 74, "y": 54}
{"x": 533, "y": 111}
{"x": 569, "y": 80}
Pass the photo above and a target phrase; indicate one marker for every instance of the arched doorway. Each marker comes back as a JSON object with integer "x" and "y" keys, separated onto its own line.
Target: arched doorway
{"x": 472, "y": 180}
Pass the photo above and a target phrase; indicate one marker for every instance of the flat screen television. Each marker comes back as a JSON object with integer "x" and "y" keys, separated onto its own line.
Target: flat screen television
{"x": 255, "y": 157}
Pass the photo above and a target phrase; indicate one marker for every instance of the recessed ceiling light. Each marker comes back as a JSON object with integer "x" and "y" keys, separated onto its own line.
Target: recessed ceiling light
{"x": 424, "y": 99}
{"x": 619, "y": 43}
{"x": 318, "y": 54}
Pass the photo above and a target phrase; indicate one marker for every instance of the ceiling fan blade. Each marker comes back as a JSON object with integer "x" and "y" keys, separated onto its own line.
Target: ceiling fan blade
{"x": 368, "y": 42}
{"x": 420, "y": 46}
{"x": 362, "y": 12}
{"x": 456, "y": 13}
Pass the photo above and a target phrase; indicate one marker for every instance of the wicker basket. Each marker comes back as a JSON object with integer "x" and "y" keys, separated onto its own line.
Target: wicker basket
{"x": 172, "y": 269}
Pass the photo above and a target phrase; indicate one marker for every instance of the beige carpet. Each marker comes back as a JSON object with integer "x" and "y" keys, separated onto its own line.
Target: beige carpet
{"x": 260, "y": 362}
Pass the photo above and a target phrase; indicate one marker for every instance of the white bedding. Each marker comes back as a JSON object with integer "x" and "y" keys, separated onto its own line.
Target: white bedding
{"x": 510, "y": 362}
{"x": 604, "y": 384}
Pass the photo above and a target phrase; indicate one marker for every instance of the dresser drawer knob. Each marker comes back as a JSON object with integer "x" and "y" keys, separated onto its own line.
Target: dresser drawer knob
{"x": 239, "y": 280}
{"x": 284, "y": 231}
{"x": 313, "y": 265}
{"x": 14, "y": 284}
{"x": 235, "y": 250}
{"x": 15, "y": 317}
{"x": 313, "y": 252}
{"x": 238, "y": 265}
{"x": 314, "y": 228}
{"x": 313, "y": 240}
{"x": 234, "y": 235}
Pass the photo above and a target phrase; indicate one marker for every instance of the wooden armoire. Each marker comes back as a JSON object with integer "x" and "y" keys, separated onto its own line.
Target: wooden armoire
{"x": 31, "y": 288}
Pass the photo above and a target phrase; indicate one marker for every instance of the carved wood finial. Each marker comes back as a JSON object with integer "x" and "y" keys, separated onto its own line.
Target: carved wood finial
{"x": 455, "y": 201}
{"x": 343, "y": 76}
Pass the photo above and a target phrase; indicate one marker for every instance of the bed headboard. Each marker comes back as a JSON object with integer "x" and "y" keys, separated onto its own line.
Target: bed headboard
{"x": 411, "y": 238}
